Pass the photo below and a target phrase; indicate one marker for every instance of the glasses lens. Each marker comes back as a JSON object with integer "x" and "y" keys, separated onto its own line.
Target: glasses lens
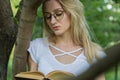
{"x": 58, "y": 15}
{"x": 47, "y": 16}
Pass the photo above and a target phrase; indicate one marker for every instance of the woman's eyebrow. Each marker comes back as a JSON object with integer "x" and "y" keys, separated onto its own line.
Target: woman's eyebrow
{"x": 54, "y": 10}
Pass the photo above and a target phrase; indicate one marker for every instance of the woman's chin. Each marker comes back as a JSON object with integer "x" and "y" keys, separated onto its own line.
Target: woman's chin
{"x": 58, "y": 33}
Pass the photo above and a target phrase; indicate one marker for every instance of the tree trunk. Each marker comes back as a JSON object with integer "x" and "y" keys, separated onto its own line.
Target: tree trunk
{"x": 8, "y": 33}
{"x": 27, "y": 18}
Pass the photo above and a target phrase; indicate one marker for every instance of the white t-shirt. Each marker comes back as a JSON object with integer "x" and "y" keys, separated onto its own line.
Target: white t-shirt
{"x": 41, "y": 54}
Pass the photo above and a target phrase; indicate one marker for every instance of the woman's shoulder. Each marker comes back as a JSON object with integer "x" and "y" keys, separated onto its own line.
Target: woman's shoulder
{"x": 39, "y": 40}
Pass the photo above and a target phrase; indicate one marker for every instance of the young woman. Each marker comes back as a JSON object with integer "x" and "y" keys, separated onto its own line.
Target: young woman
{"x": 67, "y": 45}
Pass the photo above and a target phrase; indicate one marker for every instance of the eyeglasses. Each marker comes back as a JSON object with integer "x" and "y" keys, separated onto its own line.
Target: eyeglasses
{"x": 58, "y": 15}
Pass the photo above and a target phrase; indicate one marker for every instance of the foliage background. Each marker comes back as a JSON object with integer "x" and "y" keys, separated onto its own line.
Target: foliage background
{"x": 103, "y": 17}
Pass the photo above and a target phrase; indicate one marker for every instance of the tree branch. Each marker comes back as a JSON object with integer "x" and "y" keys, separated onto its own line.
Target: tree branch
{"x": 102, "y": 65}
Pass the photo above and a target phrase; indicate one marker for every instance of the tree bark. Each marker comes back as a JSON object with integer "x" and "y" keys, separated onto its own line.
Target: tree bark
{"x": 27, "y": 18}
{"x": 8, "y": 33}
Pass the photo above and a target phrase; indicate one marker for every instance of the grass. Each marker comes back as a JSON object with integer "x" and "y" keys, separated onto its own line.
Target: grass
{"x": 9, "y": 73}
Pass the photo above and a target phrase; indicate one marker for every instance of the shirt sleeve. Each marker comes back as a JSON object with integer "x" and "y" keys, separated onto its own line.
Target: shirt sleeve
{"x": 100, "y": 55}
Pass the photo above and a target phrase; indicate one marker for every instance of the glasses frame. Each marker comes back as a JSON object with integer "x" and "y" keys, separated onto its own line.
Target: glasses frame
{"x": 54, "y": 15}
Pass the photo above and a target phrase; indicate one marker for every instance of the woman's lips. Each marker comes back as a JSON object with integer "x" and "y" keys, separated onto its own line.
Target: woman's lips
{"x": 56, "y": 28}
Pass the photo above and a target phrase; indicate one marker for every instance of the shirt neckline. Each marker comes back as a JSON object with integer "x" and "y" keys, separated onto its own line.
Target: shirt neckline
{"x": 53, "y": 57}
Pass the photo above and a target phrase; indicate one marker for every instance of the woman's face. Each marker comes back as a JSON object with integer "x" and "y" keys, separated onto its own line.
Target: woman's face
{"x": 57, "y": 19}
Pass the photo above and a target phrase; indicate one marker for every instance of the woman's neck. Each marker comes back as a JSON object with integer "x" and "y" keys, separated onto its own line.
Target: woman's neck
{"x": 63, "y": 42}
{"x": 62, "y": 39}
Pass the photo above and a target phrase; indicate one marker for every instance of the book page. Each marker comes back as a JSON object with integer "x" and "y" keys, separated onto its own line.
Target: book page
{"x": 59, "y": 75}
{"x": 30, "y": 75}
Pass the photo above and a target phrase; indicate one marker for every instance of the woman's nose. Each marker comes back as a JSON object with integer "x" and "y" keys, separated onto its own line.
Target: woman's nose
{"x": 53, "y": 20}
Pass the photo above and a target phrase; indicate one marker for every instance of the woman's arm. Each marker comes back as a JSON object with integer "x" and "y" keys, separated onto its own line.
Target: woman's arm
{"x": 100, "y": 77}
{"x": 32, "y": 66}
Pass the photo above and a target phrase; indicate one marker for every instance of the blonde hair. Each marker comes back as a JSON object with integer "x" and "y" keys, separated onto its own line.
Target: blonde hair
{"x": 79, "y": 28}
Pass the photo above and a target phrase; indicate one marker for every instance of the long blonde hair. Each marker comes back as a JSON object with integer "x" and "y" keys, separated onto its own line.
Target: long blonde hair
{"x": 79, "y": 27}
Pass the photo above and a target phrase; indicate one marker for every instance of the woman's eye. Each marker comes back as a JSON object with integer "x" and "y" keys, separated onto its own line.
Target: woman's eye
{"x": 59, "y": 14}
{"x": 48, "y": 16}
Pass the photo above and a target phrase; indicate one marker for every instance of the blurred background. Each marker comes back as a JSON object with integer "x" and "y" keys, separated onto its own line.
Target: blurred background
{"x": 103, "y": 17}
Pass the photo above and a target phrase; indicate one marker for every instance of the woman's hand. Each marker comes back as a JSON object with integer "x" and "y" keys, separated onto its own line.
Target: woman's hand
{"x": 100, "y": 77}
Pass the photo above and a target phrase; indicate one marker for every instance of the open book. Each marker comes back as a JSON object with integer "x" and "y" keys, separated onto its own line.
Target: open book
{"x": 54, "y": 75}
